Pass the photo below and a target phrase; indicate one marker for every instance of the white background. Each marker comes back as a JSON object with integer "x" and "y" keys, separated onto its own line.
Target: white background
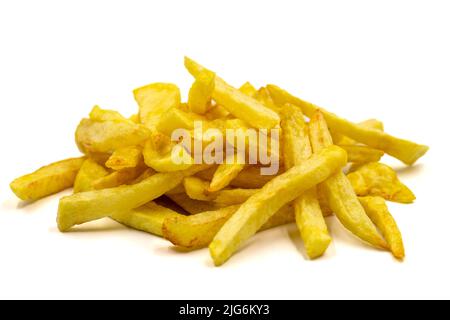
{"x": 360, "y": 59}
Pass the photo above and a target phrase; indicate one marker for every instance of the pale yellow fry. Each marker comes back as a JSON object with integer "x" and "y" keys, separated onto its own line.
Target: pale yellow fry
{"x": 148, "y": 218}
{"x": 47, "y": 180}
{"x": 117, "y": 178}
{"x": 99, "y": 114}
{"x": 248, "y": 89}
{"x": 192, "y": 206}
{"x": 197, "y": 231}
{"x": 88, "y": 173}
{"x": 233, "y": 196}
{"x": 175, "y": 119}
{"x": 237, "y": 103}
{"x": 339, "y": 192}
{"x": 378, "y": 179}
{"x": 261, "y": 206}
{"x": 308, "y": 215}
{"x": 338, "y": 138}
{"x": 226, "y": 172}
{"x": 361, "y": 154}
{"x": 197, "y": 189}
{"x": 201, "y": 92}
{"x": 378, "y": 212}
{"x": 404, "y": 150}
{"x": 123, "y": 158}
{"x": 263, "y": 96}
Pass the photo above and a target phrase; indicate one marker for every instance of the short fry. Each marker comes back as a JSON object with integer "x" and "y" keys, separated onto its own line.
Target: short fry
{"x": 88, "y": 173}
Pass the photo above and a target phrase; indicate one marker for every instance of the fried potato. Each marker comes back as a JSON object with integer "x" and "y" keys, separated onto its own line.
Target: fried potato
{"x": 216, "y": 112}
{"x": 226, "y": 172}
{"x": 233, "y": 196}
{"x": 404, "y": 150}
{"x": 369, "y": 123}
{"x": 201, "y": 92}
{"x": 193, "y": 206}
{"x": 117, "y": 178}
{"x": 154, "y": 100}
{"x": 279, "y": 191}
{"x": 378, "y": 179}
{"x": 378, "y": 212}
{"x": 47, "y": 180}
{"x": 339, "y": 192}
{"x": 148, "y": 218}
{"x": 99, "y": 114}
{"x": 88, "y": 173}
{"x": 197, "y": 231}
{"x": 124, "y": 158}
{"x": 175, "y": 119}
{"x": 237, "y": 103}
{"x": 308, "y": 215}
{"x": 248, "y": 89}
{"x": 263, "y": 96}
{"x": 108, "y": 136}
{"x": 362, "y": 154}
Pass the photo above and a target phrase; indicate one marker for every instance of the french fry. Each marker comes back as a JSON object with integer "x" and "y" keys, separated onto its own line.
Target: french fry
{"x": 88, "y": 173}
{"x": 154, "y": 100}
{"x": 339, "y": 192}
{"x": 197, "y": 231}
{"x": 117, "y": 178}
{"x": 226, "y": 172}
{"x": 148, "y": 218}
{"x": 369, "y": 123}
{"x": 308, "y": 215}
{"x": 248, "y": 89}
{"x": 99, "y": 114}
{"x": 237, "y": 103}
{"x": 233, "y": 196}
{"x": 263, "y": 96}
{"x": 175, "y": 119}
{"x": 362, "y": 154}
{"x": 125, "y": 158}
{"x": 282, "y": 189}
{"x": 378, "y": 179}
{"x": 192, "y": 206}
{"x": 47, "y": 180}
{"x": 201, "y": 92}
{"x": 378, "y": 212}
{"x": 404, "y": 150}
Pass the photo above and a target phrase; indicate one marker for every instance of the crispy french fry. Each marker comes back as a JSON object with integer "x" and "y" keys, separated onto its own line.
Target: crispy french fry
{"x": 338, "y": 138}
{"x": 378, "y": 179}
{"x": 108, "y": 136}
{"x": 154, "y": 100}
{"x": 339, "y": 192}
{"x": 237, "y": 103}
{"x": 148, "y": 218}
{"x": 226, "y": 172}
{"x": 124, "y": 158}
{"x": 192, "y": 206}
{"x": 197, "y": 231}
{"x": 88, "y": 173}
{"x": 197, "y": 189}
{"x": 378, "y": 212}
{"x": 261, "y": 206}
{"x": 362, "y": 154}
{"x": 201, "y": 92}
{"x": 47, "y": 180}
{"x": 308, "y": 215}
{"x": 117, "y": 178}
{"x": 248, "y": 89}
{"x": 99, "y": 114}
{"x": 175, "y": 119}
{"x": 233, "y": 196}
{"x": 404, "y": 150}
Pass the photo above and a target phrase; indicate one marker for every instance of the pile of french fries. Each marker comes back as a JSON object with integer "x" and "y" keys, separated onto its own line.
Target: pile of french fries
{"x": 327, "y": 166}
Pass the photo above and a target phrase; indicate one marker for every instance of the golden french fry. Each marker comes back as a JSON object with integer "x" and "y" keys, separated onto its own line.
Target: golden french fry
{"x": 192, "y": 206}
{"x": 201, "y": 92}
{"x": 197, "y": 231}
{"x": 47, "y": 180}
{"x": 404, "y": 150}
{"x": 362, "y": 154}
{"x": 378, "y": 212}
{"x": 263, "y": 96}
{"x": 88, "y": 173}
{"x": 148, "y": 218}
{"x": 99, "y": 114}
{"x": 378, "y": 179}
{"x": 233, "y": 196}
{"x": 338, "y": 138}
{"x": 339, "y": 192}
{"x": 124, "y": 158}
{"x": 248, "y": 89}
{"x": 226, "y": 172}
{"x": 108, "y": 136}
{"x": 308, "y": 215}
{"x": 154, "y": 100}
{"x": 282, "y": 189}
{"x": 237, "y": 103}
{"x": 117, "y": 178}
{"x": 175, "y": 119}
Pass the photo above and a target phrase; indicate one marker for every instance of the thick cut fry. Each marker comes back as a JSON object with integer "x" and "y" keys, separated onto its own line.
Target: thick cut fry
{"x": 117, "y": 178}
{"x": 108, "y": 136}
{"x": 201, "y": 92}
{"x": 197, "y": 189}
{"x": 123, "y": 158}
{"x": 378, "y": 179}
{"x": 369, "y": 123}
{"x": 47, "y": 180}
{"x": 88, "y": 173}
{"x": 404, "y": 150}
{"x": 248, "y": 89}
{"x": 226, "y": 172}
{"x": 263, "y": 96}
{"x": 154, "y": 100}
{"x": 237, "y": 103}
{"x": 175, "y": 119}
{"x": 92, "y": 205}
{"x": 261, "y": 206}
{"x": 362, "y": 154}
{"x": 99, "y": 114}
{"x": 197, "y": 231}
{"x": 339, "y": 192}
{"x": 148, "y": 218}
{"x": 192, "y": 206}
{"x": 308, "y": 215}
{"x": 249, "y": 177}
{"x": 378, "y": 212}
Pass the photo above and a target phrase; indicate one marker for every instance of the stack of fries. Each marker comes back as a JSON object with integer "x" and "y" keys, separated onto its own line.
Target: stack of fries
{"x": 146, "y": 171}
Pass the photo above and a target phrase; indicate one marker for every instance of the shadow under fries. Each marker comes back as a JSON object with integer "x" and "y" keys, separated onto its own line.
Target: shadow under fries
{"x": 407, "y": 171}
{"x": 103, "y": 225}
